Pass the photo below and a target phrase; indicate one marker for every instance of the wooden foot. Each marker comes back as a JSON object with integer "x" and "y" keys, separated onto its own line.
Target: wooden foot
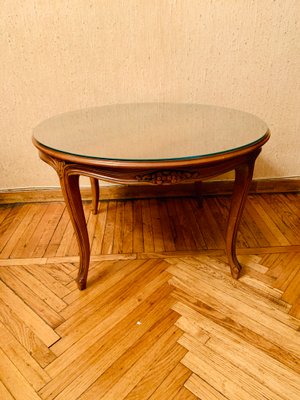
{"x": 243, "y": 178}
{"x": 95, "y": 195}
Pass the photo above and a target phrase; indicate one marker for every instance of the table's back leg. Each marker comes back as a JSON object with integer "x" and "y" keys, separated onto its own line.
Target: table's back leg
{"x": 95, "y": 195}
{"x": 243, "y": 179}
{"x": 72, "y": 196}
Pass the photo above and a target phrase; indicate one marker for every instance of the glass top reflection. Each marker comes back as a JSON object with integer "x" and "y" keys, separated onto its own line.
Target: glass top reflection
{"x": 150, "y": 131}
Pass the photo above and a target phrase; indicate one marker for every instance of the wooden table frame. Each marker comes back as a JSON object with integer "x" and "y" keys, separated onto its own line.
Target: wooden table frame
{"x": 70, "y": 167}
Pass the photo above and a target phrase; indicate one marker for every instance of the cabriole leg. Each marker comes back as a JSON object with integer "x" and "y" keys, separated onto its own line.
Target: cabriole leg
{"x": 71, "y": 192}
{"x": 243, "y": 178}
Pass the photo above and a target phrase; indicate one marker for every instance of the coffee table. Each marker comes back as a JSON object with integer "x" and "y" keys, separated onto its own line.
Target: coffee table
{"x": 150, "y": 143}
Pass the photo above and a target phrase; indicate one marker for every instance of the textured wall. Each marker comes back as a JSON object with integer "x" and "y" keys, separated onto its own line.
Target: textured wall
{"x": 58, "y": 56}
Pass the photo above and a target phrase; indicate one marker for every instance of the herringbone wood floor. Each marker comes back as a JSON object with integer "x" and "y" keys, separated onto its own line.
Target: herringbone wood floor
{"x": 161, "y": 317}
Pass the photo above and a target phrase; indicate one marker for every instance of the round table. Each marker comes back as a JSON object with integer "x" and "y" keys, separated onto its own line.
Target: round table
{"x": 150, "y": 143}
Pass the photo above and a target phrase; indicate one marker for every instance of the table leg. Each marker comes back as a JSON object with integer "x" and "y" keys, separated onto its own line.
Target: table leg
{"x": 243, "y": 178}
{"x": 95, "y": 195}
{"x": 72, "y": 196}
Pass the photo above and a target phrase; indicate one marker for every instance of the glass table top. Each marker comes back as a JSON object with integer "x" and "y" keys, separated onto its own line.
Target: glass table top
{"x": 150, "y": 131}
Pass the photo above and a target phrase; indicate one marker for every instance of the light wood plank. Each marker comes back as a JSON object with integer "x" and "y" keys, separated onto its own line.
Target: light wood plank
{"x": 14, "y": 380}
{"x": 147, "y": 227}
{"x": 109, "y": 314}
{"x": 108, "y": 238}
{"x": 156, "y": 225}
{"x": 185, "y": 394}
{"x": 243, "y": 331}
{"x": 156, "y": 374}
{"x": 96, "y": 244}
{"x": 53, "y": 215}
{"x": 228, "y": 368}
{"x": 202, "y": 389}
{"x": 138, "y": 234}
{"x": 30, "y": 297}
{"x": 140, "y": 368}
{"x": 4, "y": 393}
{"x": 31, "y": 342}
{"x": 215, "y": 378}
{"x": 49, "y": 282}
{"x": 21, "y": 247}
{"x": 56, "y": 239}
{"x": 242, "y": 327}
{"x": 27, "y": 365}
{"x": 119, "y": 233}
{"x": 32, "y": 320}
{"x": 128, "y": 228}
{"x": 108, "y": 322}
{"x": 250, "y": 356}
{"x": 10, "y": 237}
{"x": 85, "y": 370}
{"x": 167, "y": 232}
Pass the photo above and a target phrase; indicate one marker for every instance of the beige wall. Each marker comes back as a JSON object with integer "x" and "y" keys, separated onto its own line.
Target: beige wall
{"x": 60, "y": 55}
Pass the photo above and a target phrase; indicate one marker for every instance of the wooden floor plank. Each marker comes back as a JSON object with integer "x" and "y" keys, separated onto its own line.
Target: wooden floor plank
{"x": 249, "y": 331}
{"x": 11, "y": 236}
{"x": 42, "y": 308}
{"x": 119, "y": 233}
{"x": 249, "y": 355}
{"x": 85, "y": 370}
{"x": 32, "y": 320}
{"x": 264, "y": 213}
{"x": 270, "y": 373}
{"x": 22, "y": 360}
{"x": 227, "y": 368}
{"x": 27, "y": 338}
{"x": 126, "y": 301}
{"x": 127, "y": 246}
{"x": 57, "y": 236}
{"x": 140, "y": 368}
{"x": 155, "y": 375}
{"x": 108, "y": 238}
{"x": 167, "y": 232}
{"x": 151, "y": 383}
{"x": 97, "y": 242}
{"x": 4, "y": 393}
{"x": 215, "y": 378}
{"x": 138, "y": 234}
{"x": 156, "y": 226}
{"x": 202, "y": 389}
{"x": 49, "y": 281}
{"x": 53, "y": 213}
{"x": 4, "y": 212}
{"x": 278, "y": 218}
{"x": 185, "y": 394}
{"x": 171, "y": 386}
{"x": 147, "y": 227}
{"x": 161, "y": 316}
{"x": 14, "y": 381}
{"x": 21, "y": 246}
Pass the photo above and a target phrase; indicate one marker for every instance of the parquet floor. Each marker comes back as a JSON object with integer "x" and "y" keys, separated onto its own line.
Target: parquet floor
{"x": 161, "y": 317}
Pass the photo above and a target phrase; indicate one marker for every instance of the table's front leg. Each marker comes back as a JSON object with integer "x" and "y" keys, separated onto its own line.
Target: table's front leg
{"x": 72, "y": 196}
{"x": 243, "y": 179}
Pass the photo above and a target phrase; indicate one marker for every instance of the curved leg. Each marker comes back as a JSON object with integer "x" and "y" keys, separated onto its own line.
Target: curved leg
{"x": 243, "y": 178}
{"x": 72, "y": 196}
{"x": 95, "y": 195}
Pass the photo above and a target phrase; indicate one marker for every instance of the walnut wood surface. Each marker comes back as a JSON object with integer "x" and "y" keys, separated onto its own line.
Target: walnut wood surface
{"x": 70, "y": 167}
